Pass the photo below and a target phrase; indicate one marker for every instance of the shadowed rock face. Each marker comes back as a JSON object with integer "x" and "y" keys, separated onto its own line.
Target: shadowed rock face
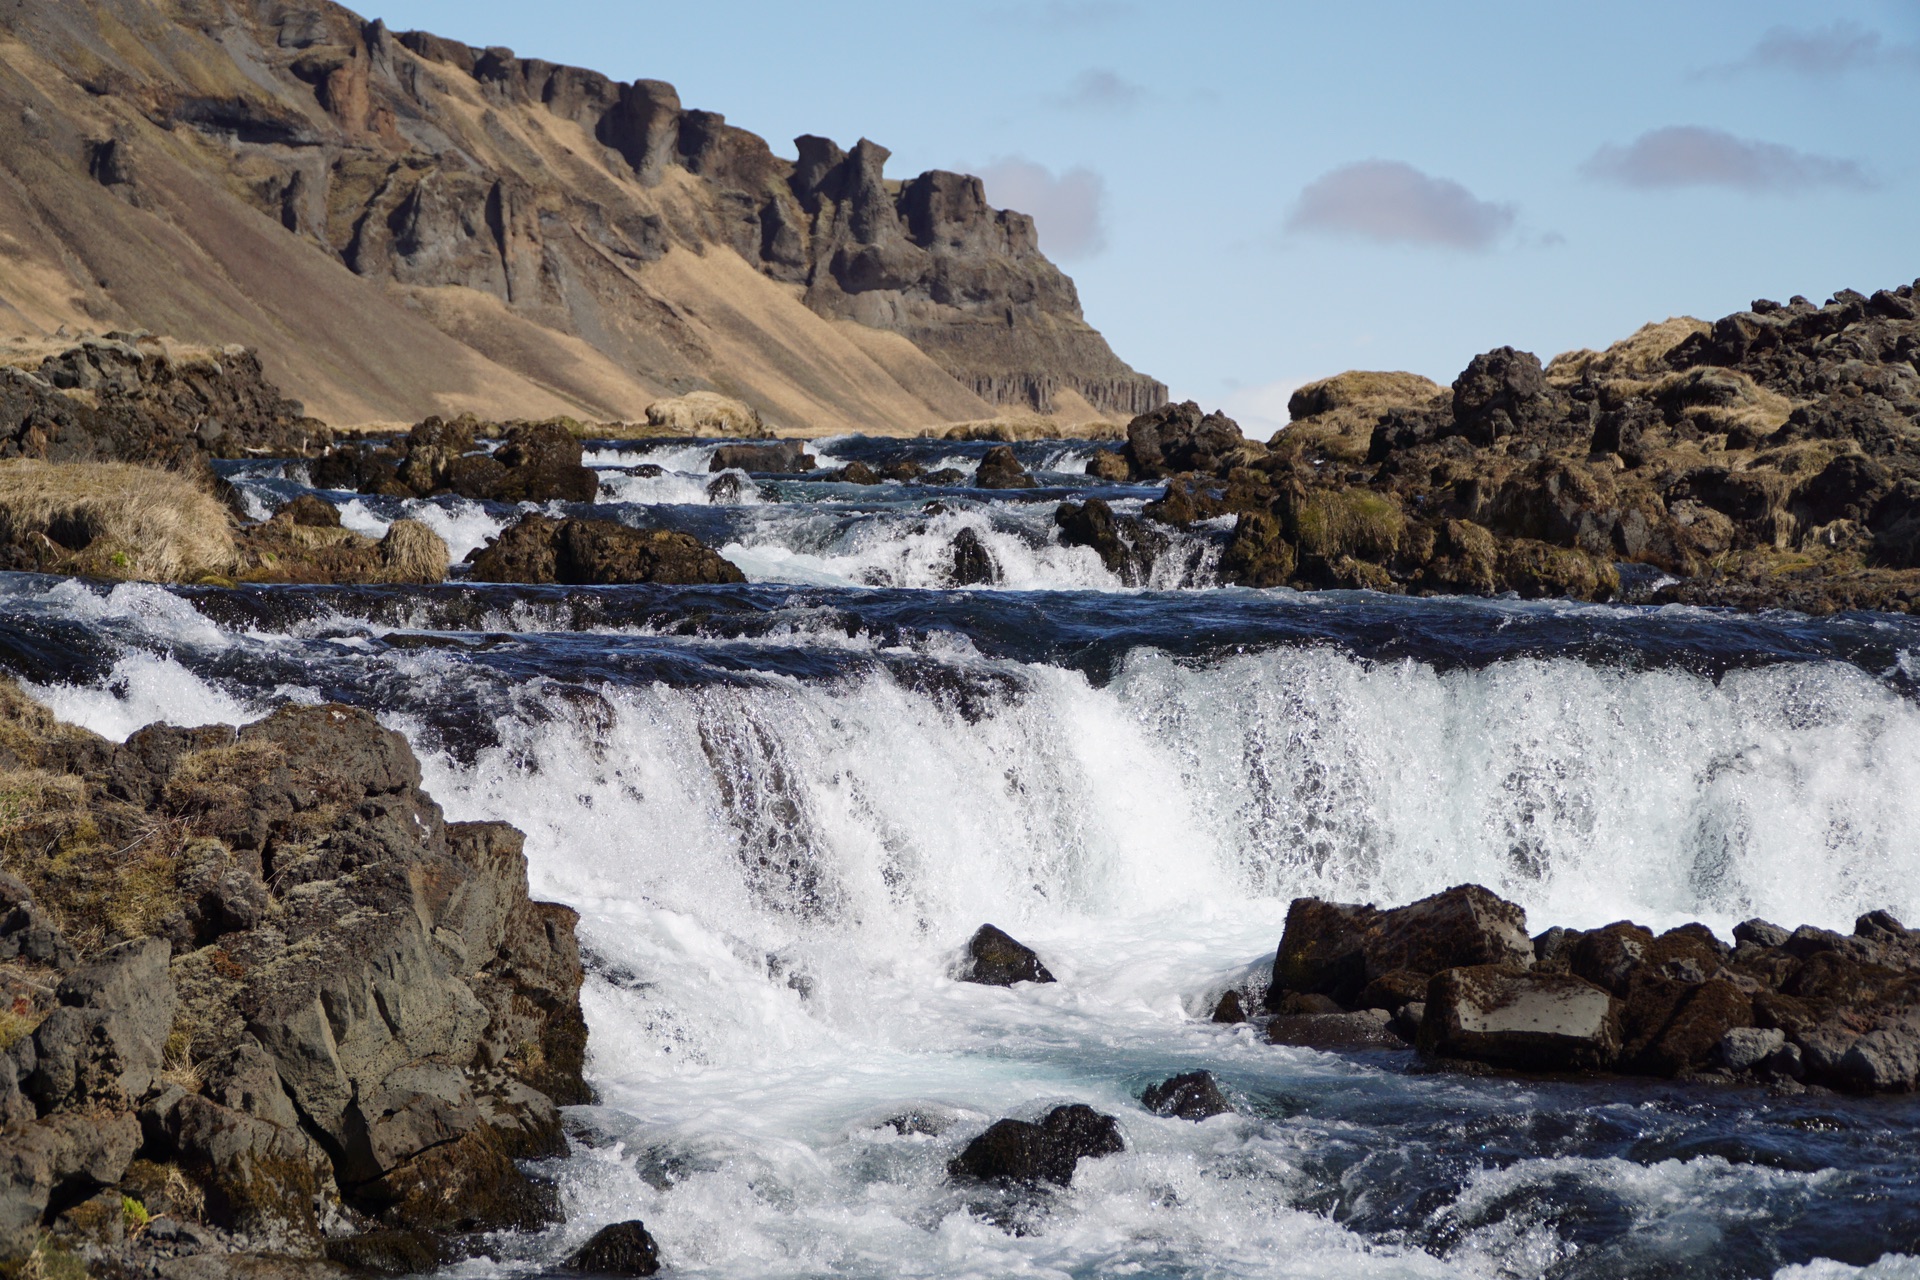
{"x": 541, "y": 236}
{"x": 332, "y": 1009}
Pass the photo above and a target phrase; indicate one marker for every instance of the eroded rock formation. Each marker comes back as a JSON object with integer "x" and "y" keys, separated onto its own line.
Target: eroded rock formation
{"x": 264, "y": 994}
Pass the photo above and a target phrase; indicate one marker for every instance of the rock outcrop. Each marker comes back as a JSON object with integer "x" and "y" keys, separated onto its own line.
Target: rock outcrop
{"x": 1769, "y": 459}
{"x": 537, "y": 462}
{"x": 407, "y": 225}
{"x": 1457, "y": 975}
{"x": 265, "y": 997}
{"x": 129, "y": 397}
{"x": 584, "y": 553}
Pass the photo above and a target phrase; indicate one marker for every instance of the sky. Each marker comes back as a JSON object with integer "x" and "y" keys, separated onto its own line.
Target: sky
{"x": 1251, "y": 194}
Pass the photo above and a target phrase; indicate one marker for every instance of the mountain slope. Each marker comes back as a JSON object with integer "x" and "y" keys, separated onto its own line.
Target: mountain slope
{"x": 404, "y": 225}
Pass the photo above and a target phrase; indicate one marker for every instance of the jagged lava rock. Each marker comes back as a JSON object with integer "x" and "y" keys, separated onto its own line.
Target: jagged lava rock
{"x": 623, "y": 1249}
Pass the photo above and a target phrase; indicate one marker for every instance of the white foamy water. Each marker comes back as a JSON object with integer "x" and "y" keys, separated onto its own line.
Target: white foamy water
{"x": 775, "y": 879}
{"x": 826, "y": 548}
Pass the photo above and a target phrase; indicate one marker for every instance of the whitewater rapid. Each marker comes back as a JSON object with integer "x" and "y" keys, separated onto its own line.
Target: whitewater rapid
{"x": 781, "y": 810}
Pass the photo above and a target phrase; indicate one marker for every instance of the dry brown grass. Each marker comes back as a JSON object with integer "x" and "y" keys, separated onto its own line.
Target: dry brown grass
{"x": 1013, "y": 428}
{"x": 1713, "y": 399}
{"x": 706, "y": 413}
{"x": 1641, "y": 356}
{"x": 411, "y": 552}
{"x": 112, "y": 519}
{"x": 1337, "y": 415}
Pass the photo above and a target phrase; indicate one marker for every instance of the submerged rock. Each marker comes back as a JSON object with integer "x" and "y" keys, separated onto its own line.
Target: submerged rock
{"x": 996, "y": 959}
{"x": 1193, "y": 1096}
{"x": 1020, "y": 1151}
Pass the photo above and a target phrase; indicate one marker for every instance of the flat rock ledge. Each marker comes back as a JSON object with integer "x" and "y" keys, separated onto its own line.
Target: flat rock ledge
{"x": 1457, "y": 977}
{"x": 265, "y": 1011}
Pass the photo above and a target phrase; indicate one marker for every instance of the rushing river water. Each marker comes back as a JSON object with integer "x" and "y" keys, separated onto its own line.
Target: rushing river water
{"x": 781, "y": 808}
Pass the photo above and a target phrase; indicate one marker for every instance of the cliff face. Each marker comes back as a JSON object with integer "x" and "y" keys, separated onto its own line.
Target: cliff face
{"x": 403, "y": 224}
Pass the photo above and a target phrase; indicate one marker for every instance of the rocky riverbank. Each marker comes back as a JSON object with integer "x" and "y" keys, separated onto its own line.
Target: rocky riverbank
{"x": 265, "y": 1006}
{"x": 1771, "y": 458}
{"x": 1457, "y": 976}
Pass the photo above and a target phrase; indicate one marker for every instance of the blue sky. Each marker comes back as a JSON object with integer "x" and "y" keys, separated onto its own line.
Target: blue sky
{"x": 1251, "y": 195}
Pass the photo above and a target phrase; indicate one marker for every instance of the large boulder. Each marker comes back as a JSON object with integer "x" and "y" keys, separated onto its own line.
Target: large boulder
{"x": 1336, "y": 949}
{"x": 1179, "y": 437}
{"x": 1503, "y": 393}
{"x": 1000, "y": 469}
{"x": 1020, "y": 1151}
{"x": 782, "y": 457}
{"x": 1537, "y": 1022}
{"x": 538, "y": 548}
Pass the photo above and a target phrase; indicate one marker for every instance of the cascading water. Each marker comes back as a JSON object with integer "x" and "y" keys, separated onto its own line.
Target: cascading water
{"x": 781, "y": 808}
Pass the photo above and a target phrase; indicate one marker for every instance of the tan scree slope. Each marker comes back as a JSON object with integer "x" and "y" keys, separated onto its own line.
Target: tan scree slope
{"x": 403, "y": 225}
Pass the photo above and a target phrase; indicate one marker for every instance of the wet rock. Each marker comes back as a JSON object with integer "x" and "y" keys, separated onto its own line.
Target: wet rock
{"x": 391, "y": 1253}
{"x": 1761, "y": 933}
{"x": 724, "y": 487}
{"x": 856, "y": 472}
{"x": 538, "y": 548}
{"x": 1192, "y": 1096}
{"x": 623, "y": 1249}
{"x": 1365, "y": 1029}
{"x": 781, "y": 457}
{"x": 1336, "y": 949}
{"x": 1539, "y": 1022}
{"x": 1106, "y": 464}
{"x": 1001, "y": 470}
{"x": 1019, "y": 1151}
{"x": 1230, "y": 1009}
{"x": 1885, "y": 1060}
{"x": 995, "y": 959}
{"x": 973, "y": 564}
{"x": 944, "y": 477}
{"x": 1259, "y": 553}
{"x": 1125, "y": 546}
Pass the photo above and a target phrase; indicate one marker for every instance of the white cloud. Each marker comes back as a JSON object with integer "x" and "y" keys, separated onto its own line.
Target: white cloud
{"x": 1101, "y": 90}
{"x": 1696, "y": 156}
{"x": 1068, "y": 208}
{"x": 1395, "y": 203}
{"x": 1822, "y": 52}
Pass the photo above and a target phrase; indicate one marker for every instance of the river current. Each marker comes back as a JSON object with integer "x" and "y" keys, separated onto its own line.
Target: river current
{"x": 781, "y": 809}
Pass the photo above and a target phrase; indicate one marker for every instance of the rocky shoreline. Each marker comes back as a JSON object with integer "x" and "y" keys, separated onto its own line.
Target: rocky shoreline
{"x": 268, "y": 1013}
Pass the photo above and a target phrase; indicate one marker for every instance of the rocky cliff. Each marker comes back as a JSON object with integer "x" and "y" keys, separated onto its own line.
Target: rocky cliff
{"x": 402, "y": 224}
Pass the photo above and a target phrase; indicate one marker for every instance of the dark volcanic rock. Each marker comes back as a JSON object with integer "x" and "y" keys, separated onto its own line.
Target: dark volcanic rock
{"x": 1541, "y": 1022}
{"x": 1125, "y": 544}
{"x": 973, "y": 564}
{"x": 538, "y": 462}
{"x": 539, "y": 548}
{"x": 1178, "y": 437}
{"x": 380, "y": 1023}
{"x": 124, "y": 399}
{"x": 1001, "y": 470}
{"x": 1336, "y": 950}
{"x": 1019, "y": 1151}
{"x": 623, "y": 1249}
{"x": 782, "y": 457}
{"x": 1503, "y": 393}
{"x": 1193, "y": 1096}
{"x": 1462, "y": 979}
{"x": 995, "y": 959}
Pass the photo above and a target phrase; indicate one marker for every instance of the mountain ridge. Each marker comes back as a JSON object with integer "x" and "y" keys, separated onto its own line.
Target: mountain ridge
{"x": 403, "y": 224}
